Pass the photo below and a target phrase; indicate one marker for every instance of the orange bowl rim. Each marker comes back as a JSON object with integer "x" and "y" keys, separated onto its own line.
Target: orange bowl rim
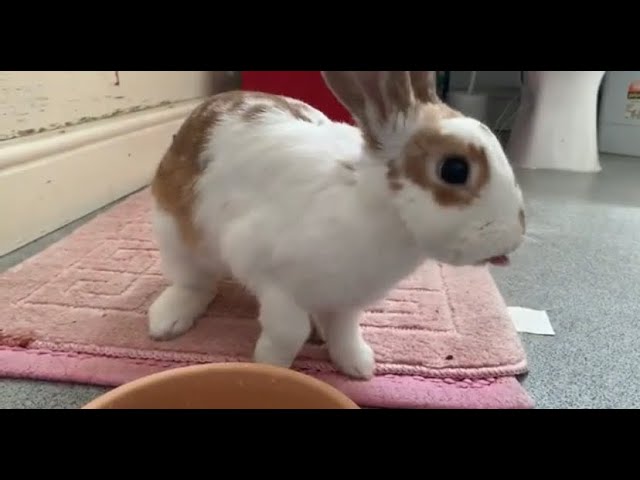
{"x": 283, "y": 373}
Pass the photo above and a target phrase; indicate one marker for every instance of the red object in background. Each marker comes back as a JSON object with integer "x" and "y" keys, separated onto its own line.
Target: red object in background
{"x": 306, "y": 86}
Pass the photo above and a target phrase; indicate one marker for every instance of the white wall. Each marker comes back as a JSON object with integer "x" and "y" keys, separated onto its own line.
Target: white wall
{"x": 40, "y": 101}
{"x": 619, "y": 125}
{"x": 503, "y": 88}
{"x": 72, "y": 142}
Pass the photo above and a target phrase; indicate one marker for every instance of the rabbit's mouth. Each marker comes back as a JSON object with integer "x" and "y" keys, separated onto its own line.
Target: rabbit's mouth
{"x": 499, "y": 261}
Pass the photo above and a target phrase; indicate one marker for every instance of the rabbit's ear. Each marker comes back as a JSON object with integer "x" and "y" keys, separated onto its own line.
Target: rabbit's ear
{"x": 347, "y": 90}
{"x": 375, "y": 99}
{"x": 424, "y": 85}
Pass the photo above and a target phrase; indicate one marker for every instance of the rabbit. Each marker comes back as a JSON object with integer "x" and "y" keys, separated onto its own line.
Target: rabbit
{"x": 320, "y": 219}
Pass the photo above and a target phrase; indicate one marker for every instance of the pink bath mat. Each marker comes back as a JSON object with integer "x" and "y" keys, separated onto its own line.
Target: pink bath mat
{"x": 77, "y": 313}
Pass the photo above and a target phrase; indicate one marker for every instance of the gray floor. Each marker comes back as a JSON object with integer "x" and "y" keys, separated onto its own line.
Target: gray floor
{"x": 581, "y": 264}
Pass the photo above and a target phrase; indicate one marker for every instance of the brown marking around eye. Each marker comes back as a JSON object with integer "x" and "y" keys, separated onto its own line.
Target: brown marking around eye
{"x": 424, "y": 152}
{"x": 429, "y": 114}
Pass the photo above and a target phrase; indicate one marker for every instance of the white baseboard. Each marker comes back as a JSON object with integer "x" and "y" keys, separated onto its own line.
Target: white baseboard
{"x": 48, "y": 181}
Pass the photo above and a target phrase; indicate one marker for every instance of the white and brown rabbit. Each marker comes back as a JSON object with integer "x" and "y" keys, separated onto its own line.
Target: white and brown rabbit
{"x": 320, "y": 219}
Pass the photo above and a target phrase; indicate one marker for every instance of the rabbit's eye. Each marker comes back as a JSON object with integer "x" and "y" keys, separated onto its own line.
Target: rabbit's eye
{"x": 454, "y": 170}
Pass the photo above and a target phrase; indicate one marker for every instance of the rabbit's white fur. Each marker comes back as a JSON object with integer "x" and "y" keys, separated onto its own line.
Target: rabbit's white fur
{"x": 302, "y": 214}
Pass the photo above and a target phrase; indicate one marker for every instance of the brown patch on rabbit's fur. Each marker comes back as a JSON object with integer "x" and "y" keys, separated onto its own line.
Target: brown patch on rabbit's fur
{"x": 260, "y": 103}
{"x": 254, "y": 112}
{"x": 426, "y": 149}
{"x": 181, "y": 165}
{"x": 523, "y": 222}
{"x": 172, "y": 188}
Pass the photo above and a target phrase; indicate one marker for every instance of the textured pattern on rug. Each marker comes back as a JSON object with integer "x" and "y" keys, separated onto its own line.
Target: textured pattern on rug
{"x": 77, "y": 312}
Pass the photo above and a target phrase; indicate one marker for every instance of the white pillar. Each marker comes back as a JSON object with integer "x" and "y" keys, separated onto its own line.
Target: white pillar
{"x": 556, "y": 126}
